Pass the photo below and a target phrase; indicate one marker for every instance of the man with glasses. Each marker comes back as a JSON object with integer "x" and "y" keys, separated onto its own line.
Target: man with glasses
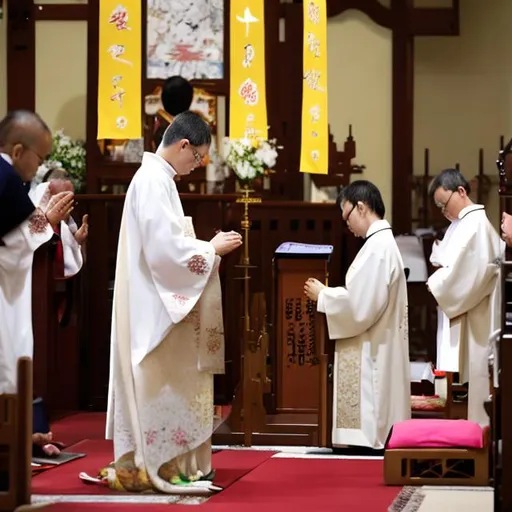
{"x": 24, "y": 141}
{"x": 466, "y": 288}
{"x": 167, "y": 329}
{"x": 368, "y": 319}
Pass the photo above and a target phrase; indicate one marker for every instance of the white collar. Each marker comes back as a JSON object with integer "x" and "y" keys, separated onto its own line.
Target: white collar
{"x": 153, "y": 158}
{"x": 377, "y": 226}
{"x": 6, "y": 157}
{"x": 470, "y": 208}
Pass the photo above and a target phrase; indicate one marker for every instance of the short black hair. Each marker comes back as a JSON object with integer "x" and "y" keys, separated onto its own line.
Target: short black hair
{"x": 177, "y": 95}
{"x": 367, "y": 193}
{"x": 188, "y": 125}
{"x": 17, "y": 127}
{"x": 449, "y": 179}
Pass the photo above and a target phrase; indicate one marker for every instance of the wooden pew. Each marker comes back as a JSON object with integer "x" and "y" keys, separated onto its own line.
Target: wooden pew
{"x": 16, "y": 441}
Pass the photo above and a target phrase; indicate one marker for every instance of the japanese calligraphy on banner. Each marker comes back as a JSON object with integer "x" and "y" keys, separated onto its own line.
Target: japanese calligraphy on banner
{"x": 314, "y": 156}
{"x": 247, "y": 100}
{"x": 120, "y": 70}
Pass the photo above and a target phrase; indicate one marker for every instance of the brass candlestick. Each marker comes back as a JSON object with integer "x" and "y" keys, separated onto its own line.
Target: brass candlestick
{"x": 250, "y": 344}
{"x": 245, "y": 225}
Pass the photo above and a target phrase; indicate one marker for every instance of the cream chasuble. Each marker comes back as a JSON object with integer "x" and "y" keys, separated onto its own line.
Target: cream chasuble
{"x": 368, "y": 319}
{"x": 73, "y": 257}
{"x": 467, "y": 290}
{"x": 167, "y": 342}
{"x": 17, "y": 250}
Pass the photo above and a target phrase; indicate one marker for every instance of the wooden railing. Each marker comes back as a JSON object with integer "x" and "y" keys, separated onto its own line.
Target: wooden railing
{"x": 273, "y": 222}
{"x": 71, "y": 364}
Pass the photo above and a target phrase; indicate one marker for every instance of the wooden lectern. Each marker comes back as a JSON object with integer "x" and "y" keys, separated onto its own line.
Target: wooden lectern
{"x": 303, "y": 356}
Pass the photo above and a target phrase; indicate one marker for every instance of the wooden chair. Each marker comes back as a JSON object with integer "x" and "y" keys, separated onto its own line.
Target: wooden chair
{"x": 16, "y": 441}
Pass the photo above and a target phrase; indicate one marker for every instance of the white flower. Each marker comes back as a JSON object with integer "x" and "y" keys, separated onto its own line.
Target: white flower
{"x": 250, "y": 158}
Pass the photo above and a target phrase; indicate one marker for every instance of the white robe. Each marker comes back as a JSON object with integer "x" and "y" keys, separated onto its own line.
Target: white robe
{"x": 16, "y": 257}
{"x": 368, "y": 319}
{"x": 467, "y": 290}
{"x": 167, "y": 338}
{"x": 73, "y": 257}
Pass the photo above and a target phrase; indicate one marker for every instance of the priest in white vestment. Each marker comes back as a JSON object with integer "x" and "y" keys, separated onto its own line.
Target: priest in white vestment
{"x": 25, "y": 141}
{"x": 466, "y": 288}
{"x": 72, "y": 238}
{"x": 167, "y": 329}
{"x": 368, "y": 319}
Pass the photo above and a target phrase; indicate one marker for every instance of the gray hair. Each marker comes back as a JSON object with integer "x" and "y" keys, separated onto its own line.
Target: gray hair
{"x": 449, "y": 179}
{"x": 188, "y": 125}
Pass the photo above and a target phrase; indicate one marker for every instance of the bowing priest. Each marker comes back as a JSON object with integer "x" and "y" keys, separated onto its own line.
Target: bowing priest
{"x": 167, "y": 329}
{"x": 368, "y": 319}
{"x": 466, "y": 288}
{"x": 25, "y": 140}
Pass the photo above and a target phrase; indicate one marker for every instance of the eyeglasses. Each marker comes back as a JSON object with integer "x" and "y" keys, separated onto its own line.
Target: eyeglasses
{"x": 443, "y": 206}
{"x": 28, "y": 148}
{"x": 349, "y": 213}
{"x": 197, "y": 157}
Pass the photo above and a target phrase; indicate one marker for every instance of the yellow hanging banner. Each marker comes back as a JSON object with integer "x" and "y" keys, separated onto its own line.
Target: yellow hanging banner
{"x": 314, "y": 157}
{"x": 120, "y": 70}
{"x": 247, "y": 99}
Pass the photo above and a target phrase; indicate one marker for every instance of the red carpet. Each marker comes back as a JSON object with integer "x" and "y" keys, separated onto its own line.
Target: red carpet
{"x": 284, "y": 485}
{"x": 80, "y": 426}
{"x": 230, "y": 466}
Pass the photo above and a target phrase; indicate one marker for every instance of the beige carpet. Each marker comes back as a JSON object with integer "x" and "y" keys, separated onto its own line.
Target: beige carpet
{"x": 448, "y": 499}
{"x": 443, "y": 499}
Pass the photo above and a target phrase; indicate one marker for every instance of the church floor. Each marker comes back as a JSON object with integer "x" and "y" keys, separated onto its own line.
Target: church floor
{"x": 276, "y": 479}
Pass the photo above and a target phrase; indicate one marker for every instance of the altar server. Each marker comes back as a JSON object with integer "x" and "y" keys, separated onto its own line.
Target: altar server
{"x": 368, "y": 319}
{"x": 167, "y": 329}
{"x": 466, "y": 288}
{"x": 25, "y": 140}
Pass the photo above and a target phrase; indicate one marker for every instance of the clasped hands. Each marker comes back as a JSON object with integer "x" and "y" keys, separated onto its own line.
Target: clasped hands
{"x": 312, "y": 288}
{"x": 59, "y": 209}
{"x": 224, "y": 243}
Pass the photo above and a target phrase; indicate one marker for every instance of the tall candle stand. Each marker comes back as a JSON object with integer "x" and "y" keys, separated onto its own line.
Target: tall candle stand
{"x": 249, "y": 341}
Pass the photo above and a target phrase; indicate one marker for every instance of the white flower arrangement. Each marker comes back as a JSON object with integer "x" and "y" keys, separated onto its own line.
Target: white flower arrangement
{"x": 250, "y": 158}
{"x": 67, "y": 154}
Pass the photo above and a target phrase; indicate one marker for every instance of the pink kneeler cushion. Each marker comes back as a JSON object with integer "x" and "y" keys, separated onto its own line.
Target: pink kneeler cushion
{"x": 436, "y": 434}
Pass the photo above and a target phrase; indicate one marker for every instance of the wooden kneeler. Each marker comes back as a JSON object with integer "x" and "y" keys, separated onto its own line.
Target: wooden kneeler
{"x": 16, "y": 441}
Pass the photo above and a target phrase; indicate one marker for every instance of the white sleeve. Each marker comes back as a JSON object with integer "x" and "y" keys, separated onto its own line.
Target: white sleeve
{"x": 20, "y": 244}
{"x": 461, "y": 286}
{"x": 180, "y": 266}
{"x": 353, "y": 310}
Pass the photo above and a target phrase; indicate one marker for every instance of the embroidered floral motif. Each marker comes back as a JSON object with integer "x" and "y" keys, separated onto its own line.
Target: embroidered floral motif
{"x": 37, "y": 223}
{"x": 179, "y": 438}
{"x": 181, "y": 300}
{"x": 198, "y": 265}
{"x": 150, "y": 437}
{"x": 45, "y": 199}
{"x": 201, "y": 407}
{"x": 348, "y": 396}
{"x": 214, "y": 341}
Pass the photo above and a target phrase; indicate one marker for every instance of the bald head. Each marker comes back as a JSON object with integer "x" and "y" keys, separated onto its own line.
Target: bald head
{"x": 26, "y": 138}
{"x": 21, "y": 126}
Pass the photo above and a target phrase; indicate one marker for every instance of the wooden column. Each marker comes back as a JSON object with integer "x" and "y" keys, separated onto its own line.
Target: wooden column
{"x": 21, "y": 55}
{"x": 402, "y": 115}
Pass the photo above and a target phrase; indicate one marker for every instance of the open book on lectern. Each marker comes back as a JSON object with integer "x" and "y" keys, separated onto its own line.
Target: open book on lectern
{"x": 295, "y": 249}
